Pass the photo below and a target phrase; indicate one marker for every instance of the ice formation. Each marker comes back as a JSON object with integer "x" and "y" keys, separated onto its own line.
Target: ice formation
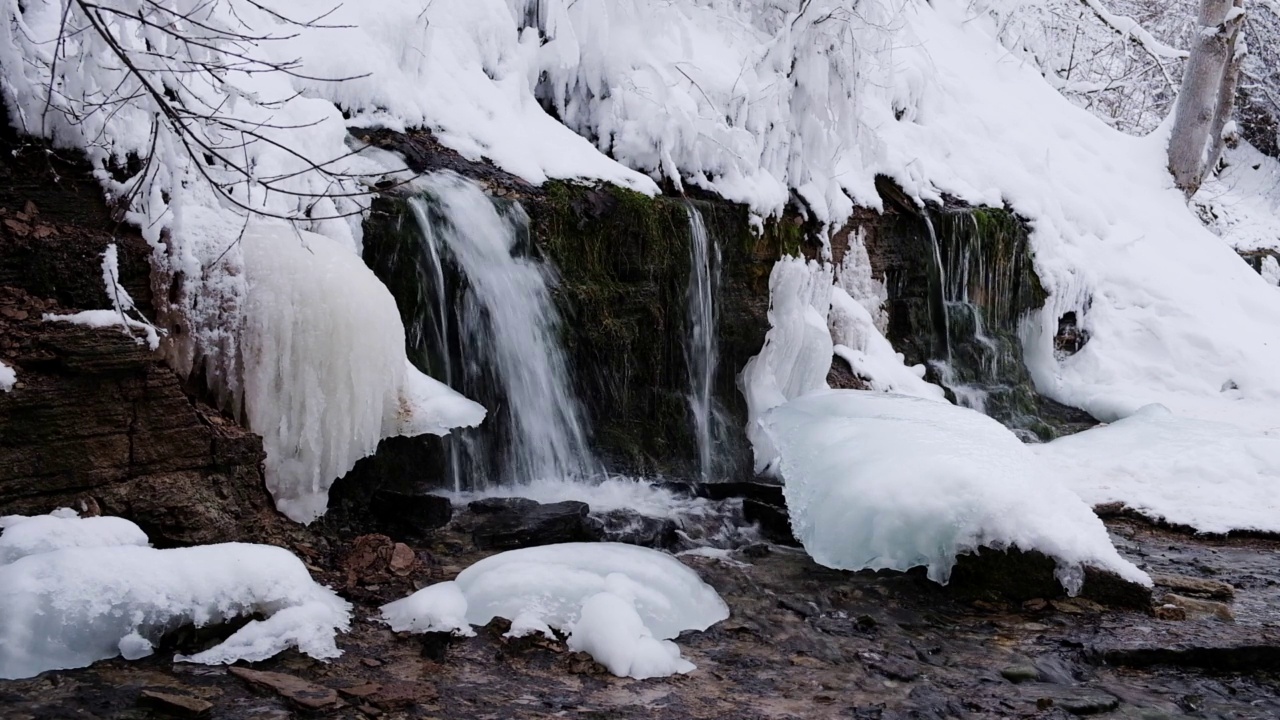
{"x": 859, "y": 343}
{"x": 1211, "y": 476}
{"x": 436, "y": 608}
{"x": 618, "y": 602}
{"x": 877, "y": 481}
{"x": 76, "y": 598}
{"x": 8, "y": 378}
{"x": 325, "y": 373}
{"x": 22, "y": 535}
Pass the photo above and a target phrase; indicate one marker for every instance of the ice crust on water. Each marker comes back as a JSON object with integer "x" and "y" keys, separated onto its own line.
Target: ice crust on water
{"x": 21, "y": 535}
{"x": 325, "y": 372}
{"x": 880, "y": 481}
{"x": 72, "y": 604}
{"x": 618, "y": 602}
{"x": 1214, "y": 477}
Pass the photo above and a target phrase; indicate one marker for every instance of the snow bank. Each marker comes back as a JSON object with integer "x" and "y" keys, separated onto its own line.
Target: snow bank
{"x": 66, "y": 605}
{"x": 878, "y": 481}
{"x": 1214, "y": 477}
{"x": 1241, "y": 204}
{"x": 8, "y": 378}
{"x": 24, "y": 535}
{"x": 325, "y": 372}
{"x": 618, "y": 602}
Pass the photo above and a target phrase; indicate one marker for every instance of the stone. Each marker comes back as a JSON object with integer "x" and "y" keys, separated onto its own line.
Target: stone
{"x": 183, "y": 706}
{"x": 1170, "y": 612}
{"x": 632, "y": 528}
{"x": 1020, "y": 673}
{"x": 298, "y": 691}
{"x": 495, "y": 505}
{"x": 1196, "y": 606}
{"x": 539, "y": 525}
{"x": 403, "y": 560}
{"x": 410, "y": 514}
{"x": 894, "y": 668}
{"x": 1075, "y": 700}
{"x": 1183, "y": 584}
{"x": 774, "y": 522}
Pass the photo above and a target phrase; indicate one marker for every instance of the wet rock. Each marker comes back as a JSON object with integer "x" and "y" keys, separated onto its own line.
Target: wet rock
{"x": 774, "y": 522}
{"x": 1170, "y": 612}
{"x": 305, "y": 694}
{"x": 1075, "y": 700}
{"x": 632, "y": 528}
{"x": 183, "y": 706}
{"x": 410, "y": 514}
{"x": 538, "y": 525}
{"x": 1185, "y": 585}
{"x": 375, "y": 559}
{"x": 894, "y": 668}
{"x": 1197, "y": 607}
{"x": 1228, "y": 648}
{"x": 765, "y": 492}
{"x": 1020, "y": 673}
{"x": 1024, "y": 577}
{"x": 494, "y": 505}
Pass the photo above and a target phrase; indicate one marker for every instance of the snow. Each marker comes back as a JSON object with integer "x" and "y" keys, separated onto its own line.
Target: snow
{"x": 859, "y": 343}
{"x": 879, "y": 481}
{"x": 436, "y": 608}
{"x": 612, "y": 632}
{"x": 75, "y": 591}
{"x": 1241, "y": 204}
{"x": 106, "y": 319}
{"x": 1214, "y": 477}
{"x": 37, "y": 534}
{"x": 618, "y": 602}
{"x": 325, "y": 372}
{"x": 8, "y": 378}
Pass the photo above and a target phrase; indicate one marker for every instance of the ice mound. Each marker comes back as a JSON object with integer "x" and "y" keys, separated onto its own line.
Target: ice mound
{"x": 8, "y": 378}
{"x": 1212, "y": 476}
{"x": 620, "y": 603}
{"x": 325, "y": 372}
{"x": 880, "y": 481}
{"x": 24, "y": 535}
{"x": 70, "y": 606}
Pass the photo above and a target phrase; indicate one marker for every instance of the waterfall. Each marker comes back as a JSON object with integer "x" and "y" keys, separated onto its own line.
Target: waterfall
{"x": 700, "y": 345}
{"x": 507, "y": 352}
{"x": 982, "y": 285}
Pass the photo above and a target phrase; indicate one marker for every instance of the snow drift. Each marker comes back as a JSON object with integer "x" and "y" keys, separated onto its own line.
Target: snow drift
{"x": 879, "y": 481}
{"x": 68, "y": 604}
{"x": 620, "y": 603}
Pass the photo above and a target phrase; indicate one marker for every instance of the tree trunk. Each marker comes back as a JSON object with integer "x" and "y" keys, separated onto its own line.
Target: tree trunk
{"x": 1207, "y": 96}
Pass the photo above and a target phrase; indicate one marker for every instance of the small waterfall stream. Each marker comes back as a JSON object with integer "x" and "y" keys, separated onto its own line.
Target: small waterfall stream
{"x": 701, "y": 351}
{"x": 497, "y": 336}
{"x": 983, "y": 285}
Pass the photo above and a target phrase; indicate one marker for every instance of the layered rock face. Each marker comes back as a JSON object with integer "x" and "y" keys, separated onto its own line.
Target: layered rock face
{"x": 97, "y": 421}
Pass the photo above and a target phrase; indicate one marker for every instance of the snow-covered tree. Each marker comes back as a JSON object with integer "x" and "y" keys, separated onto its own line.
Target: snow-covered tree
{"x": 1207, "y": 97}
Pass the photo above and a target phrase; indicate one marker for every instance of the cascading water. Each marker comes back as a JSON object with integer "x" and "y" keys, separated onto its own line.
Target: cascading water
{"x": 984, "y": 285}
{"x": 700, "y": 347}
{"x": 507, "y": 352}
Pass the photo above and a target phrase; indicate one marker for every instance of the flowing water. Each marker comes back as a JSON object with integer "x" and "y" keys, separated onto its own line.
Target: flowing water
{"x": 700, "y": 346}
{"x": 983, "y": 285}
{"x": 497, "y": 335}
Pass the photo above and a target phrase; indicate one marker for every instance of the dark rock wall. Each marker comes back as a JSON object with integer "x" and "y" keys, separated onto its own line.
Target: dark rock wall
{"x": 97, "y": 420}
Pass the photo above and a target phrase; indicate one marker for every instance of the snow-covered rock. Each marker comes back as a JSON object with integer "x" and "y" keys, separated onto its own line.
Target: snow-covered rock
{"x": 618, "y": 602}
{"x": 22, "y": 535}
{"x": 879, "y": 481}
{"x": 71, "y": 607}
{"x": 1212, "y": 476}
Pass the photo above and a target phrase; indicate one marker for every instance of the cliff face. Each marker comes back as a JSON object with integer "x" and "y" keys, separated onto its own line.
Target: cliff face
{"x": 97, "y": 421}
